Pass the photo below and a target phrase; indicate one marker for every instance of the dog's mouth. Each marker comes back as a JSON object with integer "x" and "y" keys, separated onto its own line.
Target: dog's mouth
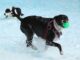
{"x": 65, "y": 24}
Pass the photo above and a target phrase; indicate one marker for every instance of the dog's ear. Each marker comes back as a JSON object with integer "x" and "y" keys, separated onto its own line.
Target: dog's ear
{"x": 56, "y": 17}
{"x": 61, "y": 17}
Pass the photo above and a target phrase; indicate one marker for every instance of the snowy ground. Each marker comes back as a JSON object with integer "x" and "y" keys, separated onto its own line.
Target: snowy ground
{"x": 12, "y": 40}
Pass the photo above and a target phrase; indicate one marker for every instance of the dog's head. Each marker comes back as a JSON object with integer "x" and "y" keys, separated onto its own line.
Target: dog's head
{"x": 62, "y": 20}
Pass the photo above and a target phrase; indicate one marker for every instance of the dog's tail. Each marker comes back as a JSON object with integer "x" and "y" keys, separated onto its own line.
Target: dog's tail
{"x": 22, "y": 14}
{"x": 15, "y": 13}
{"x": 19, "y": 17}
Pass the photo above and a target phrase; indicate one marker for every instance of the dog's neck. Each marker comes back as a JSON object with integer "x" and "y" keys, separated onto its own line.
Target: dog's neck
{"x": 58, "y": 28}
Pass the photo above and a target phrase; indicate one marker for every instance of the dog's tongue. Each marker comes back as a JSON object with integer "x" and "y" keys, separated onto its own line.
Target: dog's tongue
{"x": 66, "y": 25}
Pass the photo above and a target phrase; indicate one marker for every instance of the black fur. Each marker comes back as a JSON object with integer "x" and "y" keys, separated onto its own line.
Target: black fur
{"x": 7, "y": 10}
{"x": 17, "y": 9}
{"x": 39, "y": 25}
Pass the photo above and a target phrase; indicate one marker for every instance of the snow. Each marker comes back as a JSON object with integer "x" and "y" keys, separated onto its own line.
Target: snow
{"x": 13, "y": 41}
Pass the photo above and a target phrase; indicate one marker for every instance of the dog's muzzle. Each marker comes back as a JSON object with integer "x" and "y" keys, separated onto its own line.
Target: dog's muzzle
{"x": 66, "y": 24}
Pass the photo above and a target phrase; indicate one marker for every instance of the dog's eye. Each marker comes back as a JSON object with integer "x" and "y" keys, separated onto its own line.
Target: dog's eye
{"x": 63, "y": 21}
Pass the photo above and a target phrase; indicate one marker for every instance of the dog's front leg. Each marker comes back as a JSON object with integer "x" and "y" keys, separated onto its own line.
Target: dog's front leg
{"x": 56, "y": 45}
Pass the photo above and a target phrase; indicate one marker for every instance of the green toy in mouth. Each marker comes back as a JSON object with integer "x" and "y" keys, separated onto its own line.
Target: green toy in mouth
{"x": 66, "y": 24}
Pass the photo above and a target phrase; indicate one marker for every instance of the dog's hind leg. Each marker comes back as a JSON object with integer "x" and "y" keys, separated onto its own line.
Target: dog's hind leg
{"x": 29, "y": 35}
{"x": 29, "y": 39}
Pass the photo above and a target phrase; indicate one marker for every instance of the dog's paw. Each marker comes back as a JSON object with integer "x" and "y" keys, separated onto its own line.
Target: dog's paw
{"x": 33, "y": 47}
{"x": 61, "y": 53}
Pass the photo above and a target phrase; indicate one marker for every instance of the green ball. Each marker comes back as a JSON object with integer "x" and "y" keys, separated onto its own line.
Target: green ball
{"x": 66, "y": 24}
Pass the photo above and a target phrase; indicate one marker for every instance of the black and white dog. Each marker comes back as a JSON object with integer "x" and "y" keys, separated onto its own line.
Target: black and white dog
{"x": 9, "y": 12}
{"x": 46, "y": 28}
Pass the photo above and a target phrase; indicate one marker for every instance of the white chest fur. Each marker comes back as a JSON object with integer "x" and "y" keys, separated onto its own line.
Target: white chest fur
{"x": 58, "y": 28}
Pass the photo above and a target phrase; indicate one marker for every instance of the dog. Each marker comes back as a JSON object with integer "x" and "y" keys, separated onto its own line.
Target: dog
{"x": 9, "y": 12}
{"x": 46, "y": 28}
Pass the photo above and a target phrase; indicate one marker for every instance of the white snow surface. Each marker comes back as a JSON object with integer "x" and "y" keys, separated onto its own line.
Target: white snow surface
{"x": 13, "y": 41}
